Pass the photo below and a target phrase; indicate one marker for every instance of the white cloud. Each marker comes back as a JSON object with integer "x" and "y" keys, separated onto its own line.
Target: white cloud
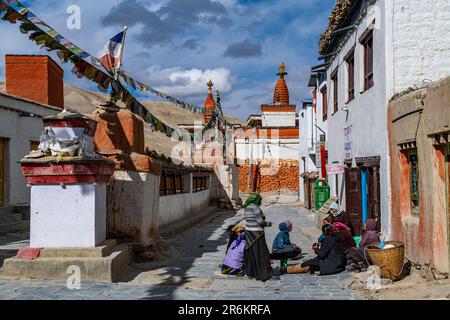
{"x": 189, "y": 82}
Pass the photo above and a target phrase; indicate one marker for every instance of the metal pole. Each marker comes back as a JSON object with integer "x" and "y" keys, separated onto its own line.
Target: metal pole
{"x": 119, "y": 61}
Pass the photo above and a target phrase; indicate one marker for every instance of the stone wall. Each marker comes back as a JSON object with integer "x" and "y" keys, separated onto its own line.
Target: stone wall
{"x": 413, "y": 121}
{"x": 421, "y": 42}
{"x": 270, "y": 177}
{"x": 20, "y": 131}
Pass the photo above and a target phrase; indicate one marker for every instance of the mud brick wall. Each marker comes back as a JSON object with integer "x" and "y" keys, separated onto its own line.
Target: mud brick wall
{"x": 268, "y": 177}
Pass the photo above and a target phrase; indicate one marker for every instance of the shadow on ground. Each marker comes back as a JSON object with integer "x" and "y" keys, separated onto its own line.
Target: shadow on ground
{"x": 191, "y": 262}
{"x": 10, "y": 243}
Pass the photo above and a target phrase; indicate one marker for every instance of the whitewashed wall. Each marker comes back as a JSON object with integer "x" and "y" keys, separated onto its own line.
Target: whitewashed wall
{"x": 267, "y": 149}
{"x": 306, "y": 142}
{"x": 278, "y": 119}
{"x": 21, "y": 131}
{"x": 174, "y": 208}
{"x": 367, "y": 113}
{"x": 421, "y": 41}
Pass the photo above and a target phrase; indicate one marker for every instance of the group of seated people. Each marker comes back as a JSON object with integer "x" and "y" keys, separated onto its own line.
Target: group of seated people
{"x": 337, "y": 249}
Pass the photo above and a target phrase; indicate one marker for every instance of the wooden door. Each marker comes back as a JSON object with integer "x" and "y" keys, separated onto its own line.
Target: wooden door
{"x": 353, "y": 198}
{"x": 373, "y": 185}
{"x": 307, "y": 193}
{"x": 2, "y": 170}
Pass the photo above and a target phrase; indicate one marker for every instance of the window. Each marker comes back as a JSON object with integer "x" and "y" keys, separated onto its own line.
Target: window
{"x": 367, "y": 43}
{"x": 324, "y": 93}
{"x": 200, "y": 183}
{"x": 411, "y": 156}
{"x": 171, "y": 183}
{"x": 350, "y": 59}
{"x": 334, "y": 79}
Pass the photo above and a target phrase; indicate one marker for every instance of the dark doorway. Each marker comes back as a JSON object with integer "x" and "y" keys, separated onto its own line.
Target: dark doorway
{"x": 353, "y": 198}
{"x": 373, "y": 187}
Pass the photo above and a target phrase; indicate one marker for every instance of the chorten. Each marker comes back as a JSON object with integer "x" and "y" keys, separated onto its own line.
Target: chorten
{"x": 210, "y": 104}
{"x": 281, "y": 94}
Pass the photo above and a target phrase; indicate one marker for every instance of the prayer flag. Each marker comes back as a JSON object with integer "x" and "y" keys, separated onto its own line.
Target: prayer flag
{"x": 109, "y": 56}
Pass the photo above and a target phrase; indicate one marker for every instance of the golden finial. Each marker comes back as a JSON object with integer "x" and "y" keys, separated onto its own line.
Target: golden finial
{"x": 282, "y": 71}
{"x": 210, "y": 84}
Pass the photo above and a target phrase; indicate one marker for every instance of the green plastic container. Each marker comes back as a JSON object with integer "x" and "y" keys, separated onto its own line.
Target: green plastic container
{"x": 322, "y": 192}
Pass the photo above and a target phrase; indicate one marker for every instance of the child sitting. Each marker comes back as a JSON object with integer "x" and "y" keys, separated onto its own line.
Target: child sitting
{"x": 282, "y": 247}
{"x": 234, "y": 258}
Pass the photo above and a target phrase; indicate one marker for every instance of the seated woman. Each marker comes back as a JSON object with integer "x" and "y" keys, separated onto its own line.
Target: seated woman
{"x": 345, "y": 235}
{"x": 282, "y": 248}
{"x": 234, "y": 259}
{"x": 330, "y": 256}
{"x": 357, "y": 258}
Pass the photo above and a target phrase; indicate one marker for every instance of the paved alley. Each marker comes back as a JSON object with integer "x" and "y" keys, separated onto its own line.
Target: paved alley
{"x": 191, "y": 271}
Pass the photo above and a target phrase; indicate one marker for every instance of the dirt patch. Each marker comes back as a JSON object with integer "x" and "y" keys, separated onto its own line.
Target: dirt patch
{"x": 413, "y": 287}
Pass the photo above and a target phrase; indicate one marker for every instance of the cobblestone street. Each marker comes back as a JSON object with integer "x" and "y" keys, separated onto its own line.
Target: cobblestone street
{"x": 191, "y": 271}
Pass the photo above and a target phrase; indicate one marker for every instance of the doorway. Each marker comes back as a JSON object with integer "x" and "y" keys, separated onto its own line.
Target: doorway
{"x": 353, "y": 198}
{"x": 362, "y": 193}
{"x": 373, "y": 199}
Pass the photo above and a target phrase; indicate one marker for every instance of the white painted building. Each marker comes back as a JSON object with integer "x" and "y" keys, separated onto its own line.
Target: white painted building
{"x": 383, "y": 47}
{"x": 20, "y": 128}
{"x": 272, "y": 134}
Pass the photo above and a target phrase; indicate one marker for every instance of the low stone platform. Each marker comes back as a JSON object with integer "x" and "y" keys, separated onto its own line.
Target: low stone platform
{"x": 105, "y": 263}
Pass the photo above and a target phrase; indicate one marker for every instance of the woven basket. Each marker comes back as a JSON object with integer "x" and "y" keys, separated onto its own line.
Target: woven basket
{"x": 390, "y": 261}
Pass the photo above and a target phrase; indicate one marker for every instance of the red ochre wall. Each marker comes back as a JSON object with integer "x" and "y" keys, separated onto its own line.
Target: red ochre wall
{"x": 425, "y": 235}
{"x": 270, "y": 178}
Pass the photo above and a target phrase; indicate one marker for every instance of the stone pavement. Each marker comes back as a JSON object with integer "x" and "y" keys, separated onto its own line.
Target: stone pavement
{"x": 191, "y": 271}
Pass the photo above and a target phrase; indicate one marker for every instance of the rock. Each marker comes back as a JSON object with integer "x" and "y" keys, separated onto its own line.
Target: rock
{"x": 441, "y": 276}
{"x": 429, "y": 276}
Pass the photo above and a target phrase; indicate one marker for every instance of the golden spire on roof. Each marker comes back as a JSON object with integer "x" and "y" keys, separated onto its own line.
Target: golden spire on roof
{"x": 210, "y": 84}
{"x": 282, "y": 71}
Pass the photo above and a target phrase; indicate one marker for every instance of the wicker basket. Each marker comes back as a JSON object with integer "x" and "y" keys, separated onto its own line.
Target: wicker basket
{"x": 390, "y": 261}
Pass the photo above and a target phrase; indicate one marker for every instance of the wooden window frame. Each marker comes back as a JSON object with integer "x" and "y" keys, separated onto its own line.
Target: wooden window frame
{"x": 199, "y": 183}
{"x": 414, "y": 195}
{"x": 366, "y": 41}
{"x": 334, "y": 80}
{"x": 324, "y": 93}
{"x": 171, "y": 183}
{"x": 350, "y": 60}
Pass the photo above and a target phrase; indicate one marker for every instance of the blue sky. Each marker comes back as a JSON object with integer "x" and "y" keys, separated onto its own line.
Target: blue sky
{"x": 177, "y": 45}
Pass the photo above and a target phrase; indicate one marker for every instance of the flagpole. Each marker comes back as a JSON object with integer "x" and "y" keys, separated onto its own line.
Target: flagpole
{"x": 125, "y": 28}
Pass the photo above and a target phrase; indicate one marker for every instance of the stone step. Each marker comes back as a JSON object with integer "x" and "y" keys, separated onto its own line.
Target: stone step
{"x": 110, "y": 268}
{"x": 7, "y": 210}
{"x": 15, "y": 217}
{"x": 102, "y": 250}
{"x": 14, "y": 226}
{"x": 24, "y": 210}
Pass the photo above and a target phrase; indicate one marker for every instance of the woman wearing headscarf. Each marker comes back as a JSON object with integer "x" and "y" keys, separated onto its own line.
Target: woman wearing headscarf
{"x": 282, "y": 248}
{"x": 345, "y": 236}
{"x": 330, "y": 256}
{"x": 357, "y": 258}
{"x": 256, "y": 254}
{"x": 234, "y": 259}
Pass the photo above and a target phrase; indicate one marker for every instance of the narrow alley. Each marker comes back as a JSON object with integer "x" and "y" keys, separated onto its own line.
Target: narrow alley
{"x": 191, "y": 271}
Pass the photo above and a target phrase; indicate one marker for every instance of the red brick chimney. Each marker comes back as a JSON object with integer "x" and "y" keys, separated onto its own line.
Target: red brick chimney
{"x": 37, "y": 78}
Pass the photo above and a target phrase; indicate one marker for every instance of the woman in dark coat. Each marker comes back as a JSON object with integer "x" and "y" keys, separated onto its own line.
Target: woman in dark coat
{"x": 357, "y": 258}
{"x": 256, "y": 254}
{"x": 330, "y": 256}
